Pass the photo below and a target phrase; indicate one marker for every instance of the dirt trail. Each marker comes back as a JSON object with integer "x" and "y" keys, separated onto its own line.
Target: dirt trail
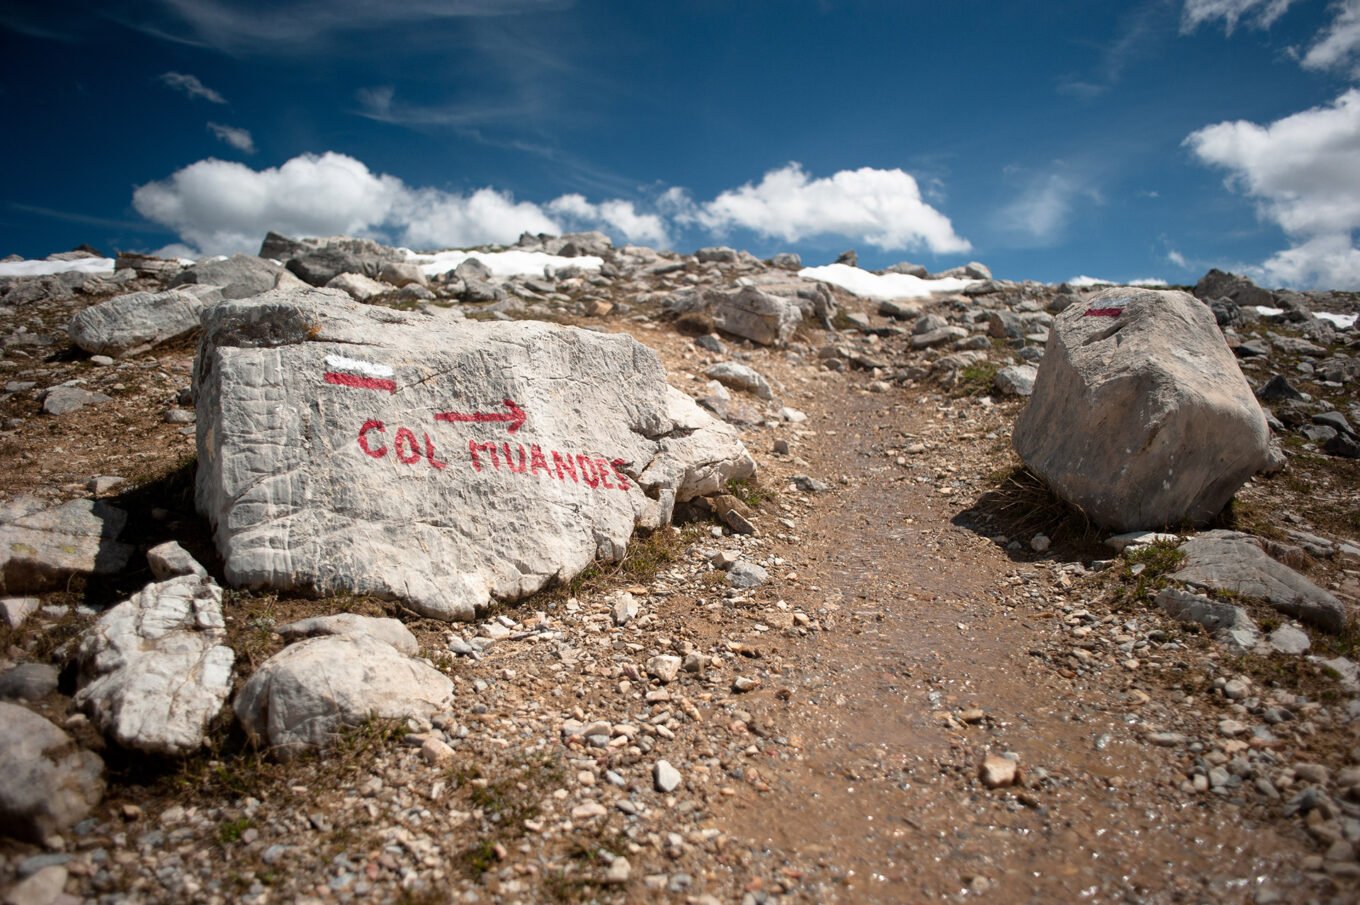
{"x": 884, "y": 804}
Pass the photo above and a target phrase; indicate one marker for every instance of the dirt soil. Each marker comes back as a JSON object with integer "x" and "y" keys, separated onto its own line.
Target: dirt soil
{"x": 830, "y": 737}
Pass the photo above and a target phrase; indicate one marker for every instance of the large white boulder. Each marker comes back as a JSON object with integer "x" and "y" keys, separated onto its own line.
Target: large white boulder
{"x": 155, "y": 669}
{"x": 1140, "y": 415}
{"x": 306, "y": 693}
{"x": 351, "y": 448}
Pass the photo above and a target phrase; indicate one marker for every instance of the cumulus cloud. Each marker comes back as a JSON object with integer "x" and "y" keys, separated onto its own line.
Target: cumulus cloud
{"x": 1338, "y": 46}
{"x": 240, "y": 139}
{"x": 1300, "y": 171}
{"x": 882, "y": 208}
{"x": 430, "y": 218}
{"x": 219, "y": 207}
{"x": 622, "y": 216}
{"x": 191, "y": 86}
{"x": 1256, "y": 13}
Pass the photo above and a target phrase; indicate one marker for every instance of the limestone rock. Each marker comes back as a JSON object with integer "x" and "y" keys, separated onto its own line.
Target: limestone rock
{"x": 155, "y": 670}
{"x": 1016, "y": 380}
{"x": 1236, "y": 562}
{"x": 236, "y": 277}
{"x": 388, "y": 631}
{"x": 132, "y": 323}
{"x": 64, "y": 400}
{"x": 46, "y": 783}
{"x": 318, "y": 261}
{"x": 28, "y": 682}
{"x": 740, "y": 377}
{"x": 302, "y": 696}
{"x": 1224, "y": 621}
{"x": 350, "y": 448}
{"x": 169, "y": 559}
{"x": 1140, "y": 415}
{"x": 402, "y": 273}
{"x": 760, "y": 317}
{"x": 357, "y": 286}
{"x": 42, "y": 549}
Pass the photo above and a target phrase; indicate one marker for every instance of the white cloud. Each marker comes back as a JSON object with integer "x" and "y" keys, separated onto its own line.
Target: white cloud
{"x": 1330, "y": 261}
{"x": 1175, "y": 257}
{"x": 431, "y": 218}
{"x": 1301, "y": 171}
{"x": 1039, "y": 215}
{"x": 882, "y": 208}
{"x": 219, "y": 207}
{"x": 1338, "y": 47}
{"x": 191, "y": 86}
{"x": 1256, "y": 13}
{"x": 240, "y": 139}
{"x": 623, "y": 216}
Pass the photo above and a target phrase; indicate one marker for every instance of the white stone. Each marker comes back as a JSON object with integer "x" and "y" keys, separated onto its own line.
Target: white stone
{"x": 1140, "y": 415}
{"x": 388, "y": 631}
{"x": 155, "y": 669}
{"x": 758, "y": 316}
{"x": 665, "y": 777}
{"x": 14, "y": 610}
{"x": 356, "y": 484}
{"x": 359, "y": 287}
{"x": 306, "y": 693}
{"x": 169, "y": 559}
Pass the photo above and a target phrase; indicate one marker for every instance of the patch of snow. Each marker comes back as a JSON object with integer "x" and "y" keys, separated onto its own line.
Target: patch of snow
{"x": 1266, "y": 311}
{"x": 882, "y": 286}
{"x": 48, "y": 268}
{"x": 502, "y": 263}
{"x": 1344, "y": 321}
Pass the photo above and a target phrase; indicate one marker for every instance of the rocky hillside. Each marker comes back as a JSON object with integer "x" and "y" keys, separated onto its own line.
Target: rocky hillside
{"x": 571, "y": 572}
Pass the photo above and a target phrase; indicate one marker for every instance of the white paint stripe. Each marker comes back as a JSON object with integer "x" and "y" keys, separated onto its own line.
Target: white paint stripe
{"x": 363, "y": 367}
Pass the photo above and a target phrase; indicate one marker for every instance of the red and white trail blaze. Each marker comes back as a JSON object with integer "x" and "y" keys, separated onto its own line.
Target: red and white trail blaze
{"x": 358, "y": 374}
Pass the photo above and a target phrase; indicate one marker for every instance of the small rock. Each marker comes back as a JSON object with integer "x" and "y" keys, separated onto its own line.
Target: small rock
{"x": 46, "y": 887}
{"x": 170, "y": 559}
{"x": 624, "y": 609}
{"x": 14, "y": 610}
{"x": 746, "y": 574}
{"x": 1039, "y": 543}
{"x": 1289, "y": 639}
{"x": 65, "y": 400}
{"x": 436, "y": 751}
{"x": 28, "y": 682}
{"x": 665, "y": 777}
{"x": 742, "y": 684}
{"x": 664, "y": 668}
{"x": 997, "y": 771}
{"x": 618, "y": 872}
{"x": 104, "y": 484}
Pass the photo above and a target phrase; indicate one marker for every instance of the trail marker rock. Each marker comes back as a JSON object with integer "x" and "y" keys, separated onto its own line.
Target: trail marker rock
{"x": 1140, "y": 415}
{"x": 351, "y": 448}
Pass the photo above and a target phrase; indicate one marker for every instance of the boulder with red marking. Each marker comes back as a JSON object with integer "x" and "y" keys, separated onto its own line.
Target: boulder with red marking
{"x": 1140, "y": 415}
{"x": 346, "y": 448}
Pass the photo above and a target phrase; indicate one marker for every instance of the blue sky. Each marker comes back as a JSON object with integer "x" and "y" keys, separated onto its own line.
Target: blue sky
{"x": 1119, "y": 140}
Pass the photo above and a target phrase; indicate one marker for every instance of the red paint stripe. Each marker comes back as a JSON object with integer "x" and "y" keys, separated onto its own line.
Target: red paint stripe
{"x": 361, "y": 383}
{"x": 1103, "y": 312}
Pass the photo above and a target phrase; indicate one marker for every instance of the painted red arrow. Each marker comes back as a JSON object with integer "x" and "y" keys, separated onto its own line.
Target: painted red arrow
{"x": 515, "y": 418}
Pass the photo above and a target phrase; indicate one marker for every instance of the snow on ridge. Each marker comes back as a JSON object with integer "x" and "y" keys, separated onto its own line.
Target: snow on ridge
{"x": 1340, "y": 321}
{"x": 502, "y": 264}
{"x": 882, "y": 286}
{"x": 48, "y": 268}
